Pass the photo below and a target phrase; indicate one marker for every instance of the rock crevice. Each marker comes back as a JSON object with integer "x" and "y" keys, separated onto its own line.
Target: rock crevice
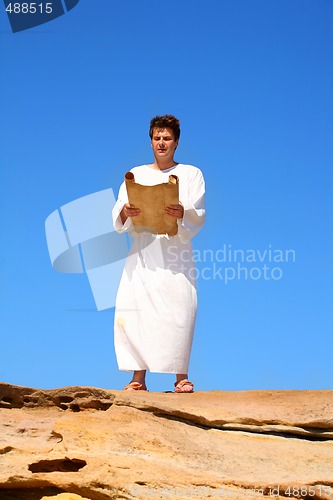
{"x": 72, "y": 398}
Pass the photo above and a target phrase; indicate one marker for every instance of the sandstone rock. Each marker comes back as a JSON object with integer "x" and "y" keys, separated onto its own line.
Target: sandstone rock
{"x": 102, "y": 444}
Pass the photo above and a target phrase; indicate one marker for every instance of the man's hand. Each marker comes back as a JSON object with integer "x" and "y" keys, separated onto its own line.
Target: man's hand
{"x": 175, "y": 210}
{"x": 128, "y": 211}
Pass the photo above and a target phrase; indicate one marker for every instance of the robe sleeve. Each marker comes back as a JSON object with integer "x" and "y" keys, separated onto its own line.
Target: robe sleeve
{"x": 117, "y": 223}
{"x": 194, "y": 208}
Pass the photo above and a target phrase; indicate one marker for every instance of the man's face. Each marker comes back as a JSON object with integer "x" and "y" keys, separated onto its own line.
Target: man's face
{"x": 163, "y": 143}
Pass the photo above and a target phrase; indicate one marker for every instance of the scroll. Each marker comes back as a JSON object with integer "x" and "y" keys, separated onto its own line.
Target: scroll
{"x": 152, "y": 201}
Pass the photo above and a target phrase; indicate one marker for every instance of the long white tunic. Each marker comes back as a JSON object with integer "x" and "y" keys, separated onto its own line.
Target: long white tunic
{"x": 157, "y": 302}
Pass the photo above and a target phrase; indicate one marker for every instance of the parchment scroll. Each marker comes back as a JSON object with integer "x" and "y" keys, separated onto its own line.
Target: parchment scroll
{"x": 152, "y": 201}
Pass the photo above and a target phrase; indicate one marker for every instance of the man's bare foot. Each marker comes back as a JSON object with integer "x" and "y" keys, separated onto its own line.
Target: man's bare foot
{"x": 135, "y": 386}
{"x": 184, "y": 386}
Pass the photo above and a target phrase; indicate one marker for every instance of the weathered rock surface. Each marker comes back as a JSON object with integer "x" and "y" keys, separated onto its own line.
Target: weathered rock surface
{"x": 83, "y": 442}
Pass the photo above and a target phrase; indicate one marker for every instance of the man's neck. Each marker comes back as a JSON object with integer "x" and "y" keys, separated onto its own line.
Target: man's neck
{"x": 163, "y": 165}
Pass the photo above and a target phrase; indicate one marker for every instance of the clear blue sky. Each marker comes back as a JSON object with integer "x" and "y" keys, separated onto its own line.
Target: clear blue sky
{"x": 252, "y": 83}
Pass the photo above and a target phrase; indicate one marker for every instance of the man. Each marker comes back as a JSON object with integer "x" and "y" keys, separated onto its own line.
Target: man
{"x": 156, "y": 302}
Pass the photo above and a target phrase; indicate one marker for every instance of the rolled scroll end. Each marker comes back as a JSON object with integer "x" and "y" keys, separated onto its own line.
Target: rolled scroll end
{"x": 173, "y": 179}
{"x": 129, "y": 176}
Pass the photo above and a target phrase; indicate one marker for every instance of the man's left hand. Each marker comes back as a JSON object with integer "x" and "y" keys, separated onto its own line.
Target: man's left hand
{"x": 175, "y": 210}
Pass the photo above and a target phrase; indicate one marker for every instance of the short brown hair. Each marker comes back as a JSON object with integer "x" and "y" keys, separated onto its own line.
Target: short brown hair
{"x": 165, "y": 121}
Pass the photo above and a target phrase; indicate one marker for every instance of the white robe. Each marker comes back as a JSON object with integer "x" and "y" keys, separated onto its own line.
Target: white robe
{"x": 157, "y": 301}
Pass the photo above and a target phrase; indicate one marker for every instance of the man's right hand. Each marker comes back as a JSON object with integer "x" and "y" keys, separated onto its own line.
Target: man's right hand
{"x": 128, "y": 211}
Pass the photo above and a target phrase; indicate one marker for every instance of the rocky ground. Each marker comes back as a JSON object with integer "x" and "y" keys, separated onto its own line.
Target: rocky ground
{"x": 78, "y": 443}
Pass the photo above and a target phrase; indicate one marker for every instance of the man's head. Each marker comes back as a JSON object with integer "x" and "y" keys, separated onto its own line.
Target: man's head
{"x": 164, "y": 122}
{"x": 164, "y": 133}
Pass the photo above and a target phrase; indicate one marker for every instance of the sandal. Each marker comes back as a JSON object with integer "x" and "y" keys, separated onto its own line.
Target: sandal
{"x": 180, "y": 386}
{"x": 134, "y": 386}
